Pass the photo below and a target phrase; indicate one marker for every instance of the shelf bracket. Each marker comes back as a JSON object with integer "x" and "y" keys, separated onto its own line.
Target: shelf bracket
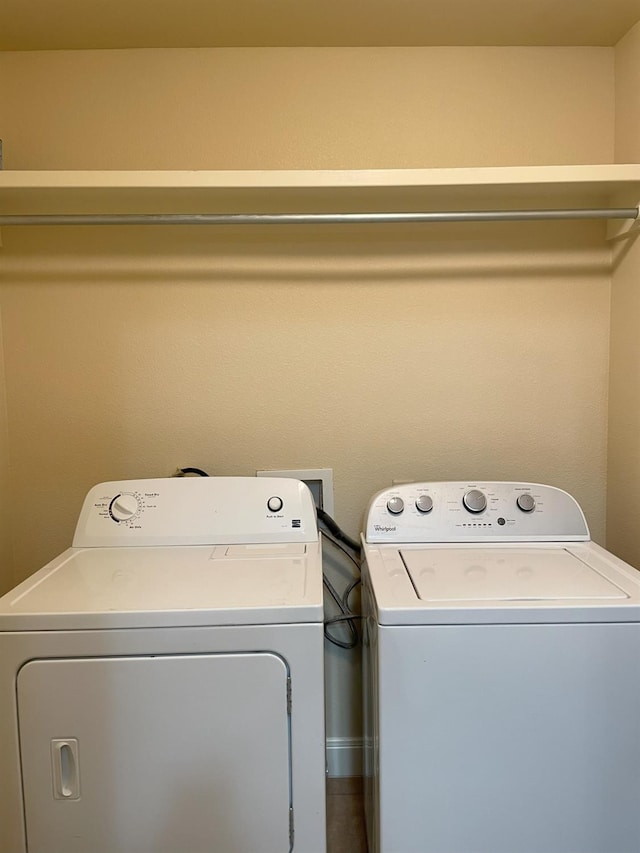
{"x": 623, "y": 229}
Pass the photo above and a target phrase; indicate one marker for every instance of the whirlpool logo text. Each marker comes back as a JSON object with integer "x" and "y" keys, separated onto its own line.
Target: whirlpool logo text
{"x": 382, "y": 528}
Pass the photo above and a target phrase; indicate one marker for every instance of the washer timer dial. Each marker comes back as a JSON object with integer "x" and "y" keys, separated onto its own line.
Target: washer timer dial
{"x": 124, "y": 507}
{"x": 475, "y": 501}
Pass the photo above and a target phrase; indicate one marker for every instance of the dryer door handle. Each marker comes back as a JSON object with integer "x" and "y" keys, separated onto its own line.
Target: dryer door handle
{"x": 64, "y": 767}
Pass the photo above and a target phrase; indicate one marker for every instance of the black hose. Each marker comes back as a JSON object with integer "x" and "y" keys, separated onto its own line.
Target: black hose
{"x": 331, "y": 525}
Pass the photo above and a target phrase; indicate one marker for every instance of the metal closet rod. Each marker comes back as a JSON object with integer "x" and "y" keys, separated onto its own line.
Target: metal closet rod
{"x": 313, "y": 218}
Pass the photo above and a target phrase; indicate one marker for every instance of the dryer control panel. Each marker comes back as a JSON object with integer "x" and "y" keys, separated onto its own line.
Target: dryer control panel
{"x": 197, "y": 511}
{"x": 475, "y": 512}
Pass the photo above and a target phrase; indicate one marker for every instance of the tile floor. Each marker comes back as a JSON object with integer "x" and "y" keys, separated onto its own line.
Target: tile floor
{"x": 345, "y": 816}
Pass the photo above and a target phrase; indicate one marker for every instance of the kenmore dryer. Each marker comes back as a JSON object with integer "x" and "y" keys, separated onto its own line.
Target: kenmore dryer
{"x": 161, "y": 681}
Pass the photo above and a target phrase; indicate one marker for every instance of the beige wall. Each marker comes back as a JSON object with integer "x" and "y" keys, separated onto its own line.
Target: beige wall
{"x": 382, "y": 361}
{"x": 623, "y": 505}
{"x": 6, "y": 555}
{"x": 627, "y": 87}
{"x": 307, "y": 108}
{"x": 477, "y": 353}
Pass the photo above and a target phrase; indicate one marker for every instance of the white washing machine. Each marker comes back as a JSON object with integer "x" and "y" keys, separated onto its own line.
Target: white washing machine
{"x": 161, "y": 681}
{"x": 502, "y": 675}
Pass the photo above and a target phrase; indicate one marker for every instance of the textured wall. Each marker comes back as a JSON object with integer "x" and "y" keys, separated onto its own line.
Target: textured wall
{"x": 623, "y": 505}
{"x": 6, "y": 553}
{"x": 381, "y": 353}
{"x": 627, "y": 86}
{"x": 307, "y": 108}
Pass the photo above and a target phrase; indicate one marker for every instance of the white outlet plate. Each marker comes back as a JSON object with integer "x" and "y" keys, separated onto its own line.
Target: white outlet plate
{"x": 319, "y": 480}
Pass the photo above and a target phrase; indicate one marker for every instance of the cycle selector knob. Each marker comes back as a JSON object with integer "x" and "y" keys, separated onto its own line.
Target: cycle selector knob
{"x": 526, "y": 503}
{"x": 475, "y": 501}
{"x": 275, "y": 504}
{"x": 123, "y": 507}
{"x": 424, "y": 503}
{"x": 395, "y": 505}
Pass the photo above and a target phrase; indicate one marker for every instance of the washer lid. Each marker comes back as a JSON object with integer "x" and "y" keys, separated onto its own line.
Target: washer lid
{"x": 174, "y": 586}
{"x": 504, "y": 574}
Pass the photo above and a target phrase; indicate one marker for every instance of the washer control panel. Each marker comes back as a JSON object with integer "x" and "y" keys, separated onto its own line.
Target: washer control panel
{"x": 197, "y": 511}
{"x": 474, "y": 512}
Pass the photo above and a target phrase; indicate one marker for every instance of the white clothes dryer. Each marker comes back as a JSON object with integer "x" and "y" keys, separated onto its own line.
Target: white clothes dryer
{"x": 161, "y": 681}
{"x": 501, "y": 675}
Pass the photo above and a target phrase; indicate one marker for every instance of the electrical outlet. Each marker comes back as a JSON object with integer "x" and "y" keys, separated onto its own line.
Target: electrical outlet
{"x": 319, "y": 480}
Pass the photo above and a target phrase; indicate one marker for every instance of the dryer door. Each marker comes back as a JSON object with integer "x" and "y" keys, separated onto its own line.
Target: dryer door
{"x": 162, "y": 754}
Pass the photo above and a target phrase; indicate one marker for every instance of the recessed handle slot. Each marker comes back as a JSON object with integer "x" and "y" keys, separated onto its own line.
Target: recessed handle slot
{"x": 64, "y": 768}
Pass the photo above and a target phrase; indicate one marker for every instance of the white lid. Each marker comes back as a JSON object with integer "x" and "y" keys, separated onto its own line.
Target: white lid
{"x": 148, "y": 587}
{"x": 504, "y": 574}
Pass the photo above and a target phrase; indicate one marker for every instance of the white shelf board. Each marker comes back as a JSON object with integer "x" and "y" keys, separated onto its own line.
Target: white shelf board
{"x": 292, "y": 191}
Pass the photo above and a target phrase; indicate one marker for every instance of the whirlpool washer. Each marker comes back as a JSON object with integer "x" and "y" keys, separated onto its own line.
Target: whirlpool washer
{"x": 161, "y": 681}
{"x": 501, "y": 675}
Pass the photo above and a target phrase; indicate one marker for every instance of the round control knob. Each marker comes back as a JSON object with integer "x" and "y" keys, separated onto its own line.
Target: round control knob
{"x": 123, "y": 507}
{"x": 395, "y": 505}
{"x": 526, "y": 503}
{"x": 474, "y": 501}
{"x": 424, "y": 503}
{"x": 274, "y": 504}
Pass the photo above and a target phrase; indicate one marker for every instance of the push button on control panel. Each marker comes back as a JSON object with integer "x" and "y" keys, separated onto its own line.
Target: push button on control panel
{"x": 274, "y": 504}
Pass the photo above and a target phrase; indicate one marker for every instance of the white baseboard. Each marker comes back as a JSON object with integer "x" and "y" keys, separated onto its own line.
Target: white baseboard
{"x": 344, "y": 756}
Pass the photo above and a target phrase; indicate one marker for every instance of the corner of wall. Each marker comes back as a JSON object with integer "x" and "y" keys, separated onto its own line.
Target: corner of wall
{"x": 627, "y": 97}
{"x": 623, "y": 469}
{"x": 6, "y": 549}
